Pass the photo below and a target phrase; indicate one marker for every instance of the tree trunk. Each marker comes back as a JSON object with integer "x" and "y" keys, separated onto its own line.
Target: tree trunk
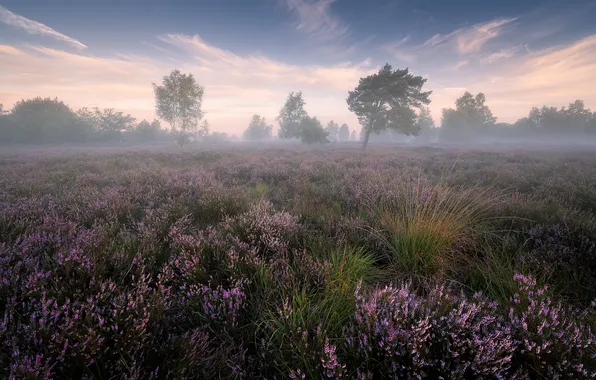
{"x": 366, "y": 137}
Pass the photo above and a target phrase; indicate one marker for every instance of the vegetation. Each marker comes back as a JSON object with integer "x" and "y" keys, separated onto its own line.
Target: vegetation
{"x": 306, "y": 263}
{"x": 258, "y": 129}
{"x": 178, "y": 101}
{"x": 385, "y": 100}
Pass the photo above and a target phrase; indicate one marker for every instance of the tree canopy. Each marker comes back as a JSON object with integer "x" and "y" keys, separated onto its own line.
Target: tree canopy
{"x": 178, "y": 101}
{"x": 332, "y": 129}
{"x": 468, "y": 120}
{"x": 312, "y": 131}
{"x": 291, "y": 115}
{"x": 344, "y": 132}
{"x": 258, "y": 129}
{"x": 385, "y": 100}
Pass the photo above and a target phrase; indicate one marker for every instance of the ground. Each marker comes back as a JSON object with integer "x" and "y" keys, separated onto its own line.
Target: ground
{"x": 296, "y": 262}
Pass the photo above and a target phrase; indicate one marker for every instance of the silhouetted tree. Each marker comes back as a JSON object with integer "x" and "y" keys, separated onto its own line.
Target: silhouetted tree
{"x": 344, "y": 132}
{"x": 178, "y": 102}
{"x": 384, "y": 101}
{"x": 311, "y": 131}
{"x": 291, "y": 115}
{"x": 257, "y": 129}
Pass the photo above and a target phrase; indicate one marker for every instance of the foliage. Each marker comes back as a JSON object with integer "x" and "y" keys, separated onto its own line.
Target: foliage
{"x": 384, "y": 101}
{"x": 110, "y": 123}
{"x": 258, "y": 129}
{"x": 311, "y": 131}
{"x": 44, "y": 120}
{"x": 470, "y": 118}
{"x": 344, "y": 133}
{"x": 178, "y": 101}
{"x": 332, "y": 129}
{"x": 231, "y": 264}
{"x": 148, "y": 131}
{"x": 291, "y": 116}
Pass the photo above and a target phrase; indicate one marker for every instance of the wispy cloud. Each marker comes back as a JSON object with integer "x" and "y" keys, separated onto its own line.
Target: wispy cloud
{"x": 34, "y": 27}
{"x": 460, "y": 64}
{"x": 502, "y": 54}
{"x": 400, "y": 51}
{"x": 315, "y": 19}
{"x": 469, "y": 39}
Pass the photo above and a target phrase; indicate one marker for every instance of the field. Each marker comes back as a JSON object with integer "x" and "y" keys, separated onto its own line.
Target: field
{"x": 298, "y": 263}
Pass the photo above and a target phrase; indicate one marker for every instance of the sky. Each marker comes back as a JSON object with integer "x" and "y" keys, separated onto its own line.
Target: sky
{"x": 249, "y": 55}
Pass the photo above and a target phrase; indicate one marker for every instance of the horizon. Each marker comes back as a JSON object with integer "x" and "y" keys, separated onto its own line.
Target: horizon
{"x": 250, "y": 55}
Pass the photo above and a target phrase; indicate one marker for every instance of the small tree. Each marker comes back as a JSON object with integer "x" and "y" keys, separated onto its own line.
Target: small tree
{"x": 384, "y": 101}
{"x": 148, "y": 131}
{"x": 257, "y": 129}
{"x": 354, "y": 135}
{"x": 311, "y": 131}
{"x": 344, "y": 133}
{"x": 425, "y": 124}
{"x": 332, "y": 129}
{"x": 111, "y": 123}
{"x": 470, "y": 119}
{"x": 178, "y": 102}
{"x": 291, "y": 115}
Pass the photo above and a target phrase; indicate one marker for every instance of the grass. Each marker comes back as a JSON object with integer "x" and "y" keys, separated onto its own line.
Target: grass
{"x": 425, "y": 225}
{"x": 245, "y": 264}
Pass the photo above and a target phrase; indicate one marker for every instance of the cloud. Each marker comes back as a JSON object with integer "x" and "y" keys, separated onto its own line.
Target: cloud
{"x": 502, "y": 54}
{"x": 554, "y": 76}
{"x": 34, "y": 27}
{"x": 469, "y": 39}
{"x": 315, "y": 19}
{"x": 460, "y": 64}
{"x": 236, "y": 86}
{"x": 400, "y": 51}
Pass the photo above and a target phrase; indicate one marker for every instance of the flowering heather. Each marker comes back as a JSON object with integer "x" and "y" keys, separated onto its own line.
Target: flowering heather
{"x": 273, "y": 264}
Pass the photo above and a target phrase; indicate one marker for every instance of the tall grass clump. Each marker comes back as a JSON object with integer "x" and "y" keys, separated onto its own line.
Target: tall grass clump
{"x": 425, "y": 225}
{"x": 300, "y": 332}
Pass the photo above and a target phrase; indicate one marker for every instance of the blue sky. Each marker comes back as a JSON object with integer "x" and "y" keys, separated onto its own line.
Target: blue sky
{"x": 250, "y": 54}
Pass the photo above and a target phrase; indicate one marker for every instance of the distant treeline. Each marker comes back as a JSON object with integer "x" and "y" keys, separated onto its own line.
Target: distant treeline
{"x": 51, "y": 121}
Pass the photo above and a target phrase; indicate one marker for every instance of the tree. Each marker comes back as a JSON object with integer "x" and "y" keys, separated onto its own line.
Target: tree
{"x": 470, "y": 119}
{"x": 2, "y": 111}
{"x": 257, "y": 129}
{"x": 425, "y": 124}
{"x": 178, "y": 101}
{"x": 44, "y": 120}
{"x": 291, "y": 115}
{"x": 344, "y": 132}
{"x": 148, "y": 131}
{"x": 111, "y": 123}
{"x": 332, "y": 129}
{"x": 311, "y": 131}
{"x": 384, "y": 101}
{"x": 354, "y": 135}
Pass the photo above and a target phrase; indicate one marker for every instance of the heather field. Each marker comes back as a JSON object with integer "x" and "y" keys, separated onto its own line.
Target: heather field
{"x": 297, "y": 263}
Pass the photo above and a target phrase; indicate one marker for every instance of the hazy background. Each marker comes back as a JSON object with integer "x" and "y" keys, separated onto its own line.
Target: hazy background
{"x": 250, "y": 54}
